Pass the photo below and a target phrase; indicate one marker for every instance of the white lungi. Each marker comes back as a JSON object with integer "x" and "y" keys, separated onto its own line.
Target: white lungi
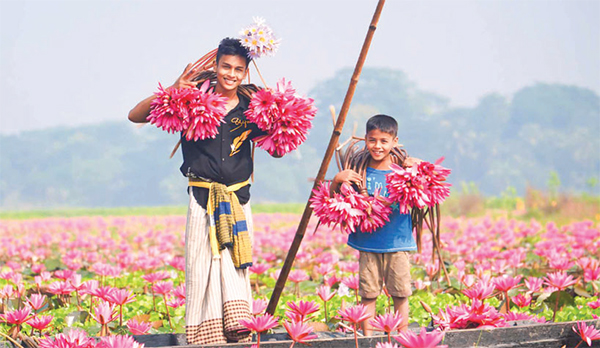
{"x": 217, "y": 294}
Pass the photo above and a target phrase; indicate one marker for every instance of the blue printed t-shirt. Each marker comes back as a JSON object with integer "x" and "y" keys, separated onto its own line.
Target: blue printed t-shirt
{"x": 396, "y": 235}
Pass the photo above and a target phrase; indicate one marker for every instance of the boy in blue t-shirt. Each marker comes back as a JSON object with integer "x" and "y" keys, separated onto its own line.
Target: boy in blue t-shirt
{"x": 384, "y": 253}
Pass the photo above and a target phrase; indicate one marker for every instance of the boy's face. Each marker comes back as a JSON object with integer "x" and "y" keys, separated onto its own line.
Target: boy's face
{"x": 231, "y": 71}
{"x": 379, "y": 144}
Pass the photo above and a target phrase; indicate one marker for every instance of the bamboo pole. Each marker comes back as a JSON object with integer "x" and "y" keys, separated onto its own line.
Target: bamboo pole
{"x": 333, "y": 142}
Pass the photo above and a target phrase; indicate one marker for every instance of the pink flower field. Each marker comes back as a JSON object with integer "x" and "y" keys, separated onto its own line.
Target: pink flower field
{"x": 125, "y": 275}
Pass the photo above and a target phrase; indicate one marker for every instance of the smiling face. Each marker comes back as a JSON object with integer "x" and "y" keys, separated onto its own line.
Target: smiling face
{"x": 379, "y": 145}
{"x": 231, "y": 71}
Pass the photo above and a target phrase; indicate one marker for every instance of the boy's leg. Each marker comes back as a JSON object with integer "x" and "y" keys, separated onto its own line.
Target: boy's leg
{"x": 371, "y": 282}
{"x": 369, "y": 303}
{"x": 401, "y": 306}
{"x": 397, "y": 281}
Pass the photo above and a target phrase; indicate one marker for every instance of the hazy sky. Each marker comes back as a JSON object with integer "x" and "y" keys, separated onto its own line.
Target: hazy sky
{"x": 80, "y": 62}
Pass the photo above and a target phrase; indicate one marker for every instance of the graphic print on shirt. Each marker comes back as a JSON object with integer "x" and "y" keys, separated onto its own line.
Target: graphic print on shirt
{"x": 238, "y": 141}
{"x": 378, "y": 186}
{"x": 381, "y": 186}
{"x": 239, "y": 123}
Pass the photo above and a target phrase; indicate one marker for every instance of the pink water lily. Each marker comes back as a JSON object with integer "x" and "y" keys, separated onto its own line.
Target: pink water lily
{"x": 64, "y": 274}
{"x": 259, "y": 306}
{"x": 326, "y": 295}
{"x": 38, "y": 268}
{"x": 478, "y": 314}
{"x": 324, "y": 268}
{"x": 587, "y": 333}
{"x": 179, "y": 291}
{"x": 355, "y": 315}
{"x": 138, "y": 327}
{"x": 594, "y": 304}
{"x": 104, "y": 313}
{"x": 505, "y": 284}
{"x": 387, "y": 323}
{"x": 163, "y": 288}
{"x": 103, "y": 292}
{"x": 352, "y": 282}
{"x": 299, "y": 332}
{"x": 120, "y": 297}
{"x": 75, "y": 338}
{"x": 386, "y": 345}
{"x": 558, "y": 281}
{"x": 512, "y": 316}
{"x": 119, "y": 342}
{"x": 480, "y": 291}
{"x": 303, "y": 308}
{"x": 424, "y": 340}
{"x": 533, "y": 284}
{"x": 175, "y": 302}
{"x": 522, "y": 300}
{"x": 259, "y": 324}
{"x": 61, "y": 288}
{"x": 16, "y": 318}
{"x": 178, "y": 263}
{"x": 155, "y": 277}
{"x": 40, "y": 323}
{"x": 258, "y": 269}
{"x": 37, "y": 301}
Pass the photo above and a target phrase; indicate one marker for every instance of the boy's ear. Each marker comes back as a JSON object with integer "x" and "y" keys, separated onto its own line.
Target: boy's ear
{"x": 395, "y": 141}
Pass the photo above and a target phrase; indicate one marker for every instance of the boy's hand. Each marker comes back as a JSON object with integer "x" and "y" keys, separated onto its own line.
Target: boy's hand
{"x": 185, "y": 80}
{"x": 411, "y": 161}
{"x": 347, "y": 176}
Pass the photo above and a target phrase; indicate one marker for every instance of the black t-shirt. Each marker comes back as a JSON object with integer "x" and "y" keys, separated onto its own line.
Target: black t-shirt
{"x": 227, "y": 158}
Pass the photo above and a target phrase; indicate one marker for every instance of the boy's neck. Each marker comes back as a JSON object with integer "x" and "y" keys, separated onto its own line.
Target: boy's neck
{"x": 232, "y": 99}
{"x": 384, "y": 164}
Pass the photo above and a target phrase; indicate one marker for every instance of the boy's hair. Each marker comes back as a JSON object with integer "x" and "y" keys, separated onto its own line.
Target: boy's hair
{"x": 383, "y": 123}
{"x": 232, "y": 47}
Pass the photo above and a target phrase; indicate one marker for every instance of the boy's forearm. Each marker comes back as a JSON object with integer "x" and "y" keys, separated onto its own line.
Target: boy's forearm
{"x": 140, "y": 112}
{"x": 335, "y": 186}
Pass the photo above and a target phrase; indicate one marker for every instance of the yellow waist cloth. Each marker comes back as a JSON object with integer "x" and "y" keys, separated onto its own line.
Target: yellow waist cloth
{"x": 227, "y": 221}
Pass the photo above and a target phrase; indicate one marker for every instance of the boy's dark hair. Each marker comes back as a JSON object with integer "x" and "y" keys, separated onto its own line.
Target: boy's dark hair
{"x": 232, "y": 47}
{"x": 383, "y": 123}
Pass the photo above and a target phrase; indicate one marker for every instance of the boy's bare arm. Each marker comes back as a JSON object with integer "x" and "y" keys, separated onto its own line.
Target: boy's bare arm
{"x": 140, "y": 112}
{"x": 347, "y": 176}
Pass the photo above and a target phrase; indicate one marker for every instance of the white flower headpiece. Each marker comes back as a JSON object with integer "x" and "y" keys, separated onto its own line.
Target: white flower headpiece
{"x": 259, "y": 39}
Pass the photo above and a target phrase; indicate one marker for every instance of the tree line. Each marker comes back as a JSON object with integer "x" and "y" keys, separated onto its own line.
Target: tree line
{"x": 504, "y": 141}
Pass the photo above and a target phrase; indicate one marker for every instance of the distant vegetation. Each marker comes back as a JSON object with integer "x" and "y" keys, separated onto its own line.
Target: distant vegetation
{"x": 544, "y": 136}
{"x": 293, "y": 208}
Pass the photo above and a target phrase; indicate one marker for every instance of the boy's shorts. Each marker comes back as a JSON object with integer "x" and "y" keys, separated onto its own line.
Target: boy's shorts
{"x": 377, "y": 268}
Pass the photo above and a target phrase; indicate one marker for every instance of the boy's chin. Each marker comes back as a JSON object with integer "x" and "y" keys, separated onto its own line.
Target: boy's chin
{"x": 379, "y": 158}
